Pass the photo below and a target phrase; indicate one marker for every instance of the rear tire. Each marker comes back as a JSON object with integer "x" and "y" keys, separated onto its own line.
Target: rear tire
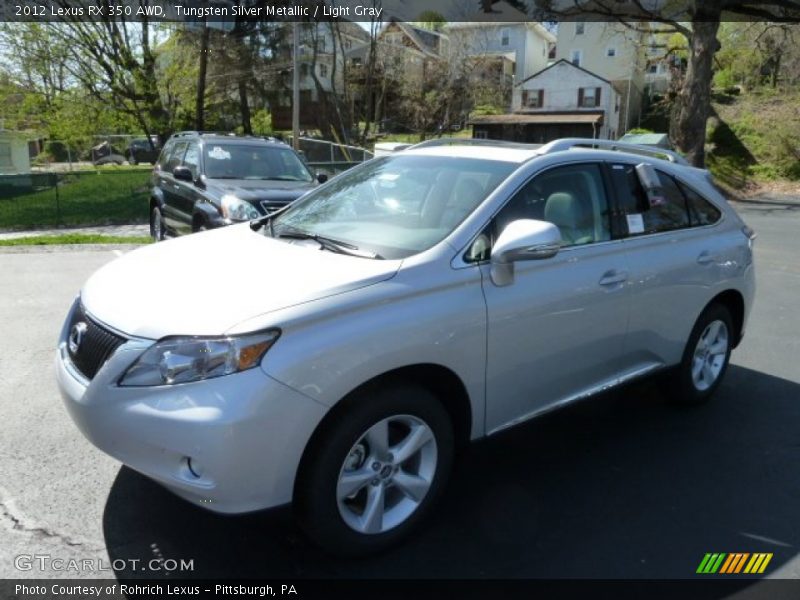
{"x": 156, "y": 225}
{"x": 705, "y": 359}
{"x": 375, "y": 471}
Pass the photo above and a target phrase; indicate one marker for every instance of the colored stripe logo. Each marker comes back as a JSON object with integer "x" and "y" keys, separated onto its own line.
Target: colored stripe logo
{"x": 733, "y": 563}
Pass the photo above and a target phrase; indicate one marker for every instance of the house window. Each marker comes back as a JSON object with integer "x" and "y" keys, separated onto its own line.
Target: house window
{"x": 652, "y": 69}
{"x": 611, "y": 52}
{"x": 5, "y": 155}
{"x": 589, "y": 97}
{"x": 355, "y": 61}
{"x": 304, "y": 70}
{"x": 580, "y": 28}
{"x": 577, "y": 57}
{"x": 533, "y": 98}
{"x": 323, "y": 70}
{"x": 480, "y": 134}
{"x": 505, "y": 36}
{"x": 394, "y": 38}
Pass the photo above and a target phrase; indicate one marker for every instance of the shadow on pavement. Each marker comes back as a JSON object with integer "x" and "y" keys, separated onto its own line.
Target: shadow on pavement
{"x": 622, "y": 486}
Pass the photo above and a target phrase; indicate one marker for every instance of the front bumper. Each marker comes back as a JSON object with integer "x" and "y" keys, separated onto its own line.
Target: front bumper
{"x": 244, "y": 433}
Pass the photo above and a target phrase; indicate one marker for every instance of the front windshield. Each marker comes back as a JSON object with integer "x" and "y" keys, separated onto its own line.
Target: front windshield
{"x": 395, "y": 206}
{"x": 242, "y": 161}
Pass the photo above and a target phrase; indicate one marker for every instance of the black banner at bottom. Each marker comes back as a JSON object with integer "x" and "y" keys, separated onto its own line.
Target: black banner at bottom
{"x": 388, "y": 589}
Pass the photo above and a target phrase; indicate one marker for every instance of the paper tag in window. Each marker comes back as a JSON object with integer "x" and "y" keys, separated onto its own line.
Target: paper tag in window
{"x": 635, "y": 223}
{"x": 219, "y": 154}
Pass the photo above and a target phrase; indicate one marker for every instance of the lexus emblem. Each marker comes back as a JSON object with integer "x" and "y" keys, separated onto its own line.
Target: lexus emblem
{"x": 76, "y": 337}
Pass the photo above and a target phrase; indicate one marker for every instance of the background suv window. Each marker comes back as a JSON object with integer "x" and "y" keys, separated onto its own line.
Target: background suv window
{"x": 571, "y": 197}
{"x": 174, "y": 157}
{"x": 192, "y": 159}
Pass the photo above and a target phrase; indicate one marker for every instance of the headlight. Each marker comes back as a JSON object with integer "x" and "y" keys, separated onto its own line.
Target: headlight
{"x": 237, "y": 209}
{"x": 185, "y": 359}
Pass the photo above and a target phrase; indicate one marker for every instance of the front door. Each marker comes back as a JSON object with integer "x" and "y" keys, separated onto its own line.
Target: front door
{"x": 556, "y": 333}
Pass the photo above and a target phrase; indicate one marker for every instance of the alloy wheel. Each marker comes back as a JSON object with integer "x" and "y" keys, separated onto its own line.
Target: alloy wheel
{"x": 710, "y": 355}
{"x": 386, "y": 474}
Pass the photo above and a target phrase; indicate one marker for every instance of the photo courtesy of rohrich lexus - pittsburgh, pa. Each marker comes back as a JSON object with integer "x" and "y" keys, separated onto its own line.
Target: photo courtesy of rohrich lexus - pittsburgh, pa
{"x": 464, "y": 297}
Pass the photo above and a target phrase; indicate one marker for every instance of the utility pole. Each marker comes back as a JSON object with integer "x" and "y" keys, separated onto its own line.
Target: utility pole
{"x": 295, "y": 89}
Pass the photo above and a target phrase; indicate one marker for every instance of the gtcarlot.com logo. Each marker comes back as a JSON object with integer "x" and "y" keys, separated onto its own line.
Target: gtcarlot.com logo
{"x": 723, "y": 563}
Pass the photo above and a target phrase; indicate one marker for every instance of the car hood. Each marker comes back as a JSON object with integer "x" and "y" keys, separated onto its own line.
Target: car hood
{"x": 205, "y": 283}
{"x": 254, "y": 190}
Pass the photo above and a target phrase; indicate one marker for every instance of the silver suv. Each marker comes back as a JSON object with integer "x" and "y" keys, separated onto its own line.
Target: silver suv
{"x": 335, "y": 354}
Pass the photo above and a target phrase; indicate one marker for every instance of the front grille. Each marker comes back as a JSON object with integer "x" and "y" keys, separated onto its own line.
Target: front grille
{"x": 271, "y": 206}
{"x": 96, "y": 343}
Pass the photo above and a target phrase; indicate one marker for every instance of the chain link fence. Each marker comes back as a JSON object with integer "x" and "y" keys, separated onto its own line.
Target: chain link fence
{"x": 62, "y": 198}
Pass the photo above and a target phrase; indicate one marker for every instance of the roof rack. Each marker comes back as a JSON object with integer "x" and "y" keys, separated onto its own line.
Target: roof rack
{"x": 449, "y": 141}
{"x": 568, "y": 143}
{"x": 219, "y": 133}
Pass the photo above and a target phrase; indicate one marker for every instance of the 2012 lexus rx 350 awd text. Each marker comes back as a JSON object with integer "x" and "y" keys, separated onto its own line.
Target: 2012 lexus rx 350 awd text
{"x": 335, "y": 354}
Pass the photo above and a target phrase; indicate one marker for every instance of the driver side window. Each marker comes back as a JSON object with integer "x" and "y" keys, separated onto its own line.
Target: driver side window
{"x": 571, "y": 197}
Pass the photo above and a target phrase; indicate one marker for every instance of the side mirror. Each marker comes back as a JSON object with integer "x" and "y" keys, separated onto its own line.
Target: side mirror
{"x": 322, "y": 177}
{"x": 524, "y": 239}
{"x": 183, "y": 174}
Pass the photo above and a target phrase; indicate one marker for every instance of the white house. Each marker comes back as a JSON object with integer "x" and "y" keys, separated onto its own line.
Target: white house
{"x": 613, "y": 51}
{"x": 504, "y": 33}
{"x": 562, "y": 100}
{"x": 14, "y": 157}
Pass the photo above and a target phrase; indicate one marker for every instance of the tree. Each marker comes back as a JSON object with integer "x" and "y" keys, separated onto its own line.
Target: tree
{"x": 699, "y": 22}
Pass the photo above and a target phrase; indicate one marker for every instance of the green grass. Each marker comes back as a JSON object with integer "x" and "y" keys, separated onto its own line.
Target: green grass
{"x": 106, "y": 196}
{"x": 755, "y": 137}
{"x": 74, "y": 238}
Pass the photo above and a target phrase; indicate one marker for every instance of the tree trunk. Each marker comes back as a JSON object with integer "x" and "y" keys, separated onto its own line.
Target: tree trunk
{"x": 199, "y": 122}
{"x": 244, "y": 108}
{"x": 693, "y": 103}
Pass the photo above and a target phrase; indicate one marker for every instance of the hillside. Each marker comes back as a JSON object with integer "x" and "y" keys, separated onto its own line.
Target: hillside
{"x": 754, "y": 138}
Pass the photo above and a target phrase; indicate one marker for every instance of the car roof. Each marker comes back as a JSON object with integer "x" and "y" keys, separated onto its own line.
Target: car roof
{"x": 225, "y": 138}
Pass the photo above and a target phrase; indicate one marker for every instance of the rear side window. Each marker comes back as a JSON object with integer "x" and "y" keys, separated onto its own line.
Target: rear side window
{"x": 192, "y": 159}
{"x": 174, "y": 158}
{"x": 674, "y": 206}
{"x": 701, "y": 211}
{"x": 164, "y": 156}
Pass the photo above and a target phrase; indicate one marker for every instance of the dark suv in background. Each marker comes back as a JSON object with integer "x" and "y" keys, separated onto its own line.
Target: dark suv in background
{"x": 207, "y": 180}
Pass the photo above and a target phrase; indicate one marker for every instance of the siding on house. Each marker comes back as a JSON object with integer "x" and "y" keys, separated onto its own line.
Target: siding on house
{"x": 562, "y": 87}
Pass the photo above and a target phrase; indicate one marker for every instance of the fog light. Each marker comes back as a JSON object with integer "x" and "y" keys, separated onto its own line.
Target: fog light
{"x": 194, "y": 468}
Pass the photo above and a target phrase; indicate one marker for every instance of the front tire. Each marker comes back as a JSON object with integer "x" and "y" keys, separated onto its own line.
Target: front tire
{"x": 375, "y": 471}
{"x": 705, "y": 358}
{"x": 156, "y": 225}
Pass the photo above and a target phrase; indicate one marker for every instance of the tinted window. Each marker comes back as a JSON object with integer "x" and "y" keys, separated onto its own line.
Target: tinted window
{"x": 662, "y": 210}
{"x": 174, "y": 158}
{"x": 192, "y": 159}
{"x": 668, "y": 209}
{"x": 572, "y": 198}
{"x": 701, "y": 211}
{"x": 164, "y": 157}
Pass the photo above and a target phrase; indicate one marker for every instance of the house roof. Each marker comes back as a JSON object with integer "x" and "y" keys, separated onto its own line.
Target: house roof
{"x": 566, "y": 62}
{"x": 538, "y": 118}
{"x": 422, "y": 38}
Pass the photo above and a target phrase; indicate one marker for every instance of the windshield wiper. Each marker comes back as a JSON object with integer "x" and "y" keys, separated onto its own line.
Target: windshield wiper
{"x": 329, "y": 243}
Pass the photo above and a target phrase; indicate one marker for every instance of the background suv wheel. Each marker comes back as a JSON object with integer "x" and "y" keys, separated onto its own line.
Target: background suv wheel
{"x": 156, "y": 225}
{"x": 375, "y": 470}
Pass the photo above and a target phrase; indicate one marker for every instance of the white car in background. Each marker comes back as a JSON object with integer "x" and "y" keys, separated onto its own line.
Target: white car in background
{"x": 335, "y": 354}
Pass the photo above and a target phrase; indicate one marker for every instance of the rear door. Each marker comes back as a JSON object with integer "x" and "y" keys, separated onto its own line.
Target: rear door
{"x": 186, "y": 192}
{"x": 674, "y": 260}
{"x": 556, "y": 333}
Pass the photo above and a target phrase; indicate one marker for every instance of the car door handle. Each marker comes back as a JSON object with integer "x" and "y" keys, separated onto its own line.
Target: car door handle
{"x": 706, "y": 258}
{"x": 613, "y": 277}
